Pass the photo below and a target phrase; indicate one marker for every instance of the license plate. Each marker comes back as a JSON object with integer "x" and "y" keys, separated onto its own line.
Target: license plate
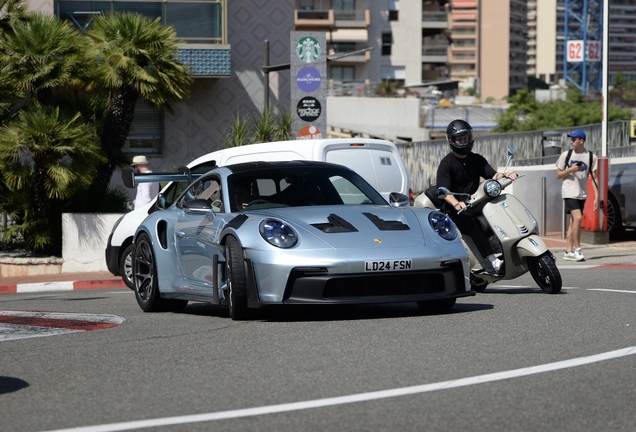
{"x": 387, "y": 265}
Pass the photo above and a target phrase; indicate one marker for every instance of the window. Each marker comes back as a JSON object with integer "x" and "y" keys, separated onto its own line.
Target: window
{"x": 306, "y": 5}
{"x": 394, "y": 7}
{"x": 387, "y": 41}
{"x": 145, "y": 130}
{"x": 344, "y": 47}
{"x": 343, "y": 9}
{"x": 393, "y": 73}
{"x": 193, "y": 21}
{"x": 343, "y": 73}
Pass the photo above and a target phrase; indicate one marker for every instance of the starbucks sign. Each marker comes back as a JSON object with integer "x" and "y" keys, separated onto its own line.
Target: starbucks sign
{"x": 308, "y": 64}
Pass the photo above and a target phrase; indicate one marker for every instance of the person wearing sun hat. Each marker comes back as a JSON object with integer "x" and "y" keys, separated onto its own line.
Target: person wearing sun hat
{"x": 573, "y": 167}
{"x": 146, "y": 192}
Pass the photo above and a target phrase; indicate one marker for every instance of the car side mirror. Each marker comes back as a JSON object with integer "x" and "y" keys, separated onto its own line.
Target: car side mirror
{"x": 397, "y": 199}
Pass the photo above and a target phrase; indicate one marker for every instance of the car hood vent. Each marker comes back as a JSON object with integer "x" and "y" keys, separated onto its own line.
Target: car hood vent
{"x": 335, "y": 224}
{"x": 386, "y": 225}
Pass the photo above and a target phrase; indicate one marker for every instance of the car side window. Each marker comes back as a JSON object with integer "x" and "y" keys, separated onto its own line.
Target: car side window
{"x": 209, "y": 189}
{"x": 176, "y": 188}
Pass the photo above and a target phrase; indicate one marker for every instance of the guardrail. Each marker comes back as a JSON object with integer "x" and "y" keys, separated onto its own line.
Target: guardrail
{"x": 422, "y": 158}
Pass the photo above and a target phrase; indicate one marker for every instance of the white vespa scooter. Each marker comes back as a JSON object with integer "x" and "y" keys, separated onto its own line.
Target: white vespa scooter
{"x": 512, "y": 231}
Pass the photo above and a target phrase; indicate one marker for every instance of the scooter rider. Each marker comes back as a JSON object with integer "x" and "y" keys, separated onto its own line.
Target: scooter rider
{"x": 460, "y": 171}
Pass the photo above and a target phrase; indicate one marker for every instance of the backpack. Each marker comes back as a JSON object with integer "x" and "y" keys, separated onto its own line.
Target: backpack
{"x": 589, "y": 166}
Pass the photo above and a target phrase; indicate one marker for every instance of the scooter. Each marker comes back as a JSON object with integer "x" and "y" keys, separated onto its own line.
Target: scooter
{"x": 511, "y": 230}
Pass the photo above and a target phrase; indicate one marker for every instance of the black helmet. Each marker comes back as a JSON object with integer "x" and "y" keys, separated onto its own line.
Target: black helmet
{"x": 460, "y": 136}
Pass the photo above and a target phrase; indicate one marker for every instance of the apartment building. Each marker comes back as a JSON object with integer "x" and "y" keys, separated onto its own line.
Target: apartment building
{"x": 405, "y": 41}
{"x": 548, "y": 43}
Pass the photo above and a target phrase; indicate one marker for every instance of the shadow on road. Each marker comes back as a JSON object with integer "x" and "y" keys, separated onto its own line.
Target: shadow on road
{"x": 305, "y": 313}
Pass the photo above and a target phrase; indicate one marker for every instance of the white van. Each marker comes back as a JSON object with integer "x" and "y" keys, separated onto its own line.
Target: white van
{"x": 377, "y": 161}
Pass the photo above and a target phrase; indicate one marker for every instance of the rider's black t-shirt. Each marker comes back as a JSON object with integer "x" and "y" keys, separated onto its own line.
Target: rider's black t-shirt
{"x": 463, "y": 174}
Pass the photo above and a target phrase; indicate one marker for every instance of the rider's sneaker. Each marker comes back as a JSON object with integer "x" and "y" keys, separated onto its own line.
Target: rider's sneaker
{"x": 578, "y": 254}
{"x": 495, "y": 262}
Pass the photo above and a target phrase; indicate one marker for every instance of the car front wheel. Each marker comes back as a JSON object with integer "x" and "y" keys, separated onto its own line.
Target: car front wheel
{"x": 236, "y": 279}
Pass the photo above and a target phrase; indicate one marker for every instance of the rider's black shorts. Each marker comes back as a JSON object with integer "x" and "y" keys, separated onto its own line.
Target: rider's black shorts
{"x": 574, "y": 204}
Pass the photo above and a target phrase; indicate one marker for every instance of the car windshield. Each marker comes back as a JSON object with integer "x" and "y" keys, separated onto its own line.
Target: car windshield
{"x": 297, "y": 187}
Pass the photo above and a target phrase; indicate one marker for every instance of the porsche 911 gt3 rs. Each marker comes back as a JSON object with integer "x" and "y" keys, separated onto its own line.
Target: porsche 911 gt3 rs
{"x": 274, "y": 233}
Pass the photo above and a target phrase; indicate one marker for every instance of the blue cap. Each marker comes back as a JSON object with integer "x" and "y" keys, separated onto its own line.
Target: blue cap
{"x": 577, "y": 134}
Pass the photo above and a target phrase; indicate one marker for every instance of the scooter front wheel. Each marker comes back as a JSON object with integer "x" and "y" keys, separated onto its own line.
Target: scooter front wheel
{"x": 545, "y": 273}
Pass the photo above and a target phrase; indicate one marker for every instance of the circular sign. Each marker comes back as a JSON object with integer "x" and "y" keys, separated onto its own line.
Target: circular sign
{"x": 308, "y": 108}
{"x": 308, "y": 79}
{"x": 308, "y": 49}
{"x": 309, "y": 132}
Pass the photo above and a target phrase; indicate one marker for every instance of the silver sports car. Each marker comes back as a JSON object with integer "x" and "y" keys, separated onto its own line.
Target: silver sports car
{"x": 270, "y": 233}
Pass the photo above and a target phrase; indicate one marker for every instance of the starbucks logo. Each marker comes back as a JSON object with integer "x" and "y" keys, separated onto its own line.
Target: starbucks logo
{"x": 308, "y": 109}
{"x": 308, "y": 49}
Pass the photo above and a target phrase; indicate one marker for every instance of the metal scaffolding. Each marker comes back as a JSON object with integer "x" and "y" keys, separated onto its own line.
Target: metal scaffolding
{"x": 583, "y": 34}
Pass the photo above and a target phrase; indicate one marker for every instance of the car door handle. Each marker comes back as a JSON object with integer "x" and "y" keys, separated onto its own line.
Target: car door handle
{"x": 180, "y": 234}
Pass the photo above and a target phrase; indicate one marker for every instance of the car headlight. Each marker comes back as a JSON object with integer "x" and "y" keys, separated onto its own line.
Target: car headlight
{"x": 442, "y": 225}
{"x": 278, "y": 233}
{"x": 492, "y": 188}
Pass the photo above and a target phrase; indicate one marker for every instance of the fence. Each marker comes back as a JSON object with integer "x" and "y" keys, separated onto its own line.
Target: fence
{"x": 422, "y": 158}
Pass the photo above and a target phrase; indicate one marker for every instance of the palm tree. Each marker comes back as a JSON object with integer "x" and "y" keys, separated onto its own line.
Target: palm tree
{"x": 46, "y": 154}
{"x": 136, "y": 57}
{"x": 38, "y": 55}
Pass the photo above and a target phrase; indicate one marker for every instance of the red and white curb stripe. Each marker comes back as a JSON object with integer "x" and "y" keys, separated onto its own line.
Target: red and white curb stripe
{"x": 25, "y": 324}
{"x": 61, "y": 286}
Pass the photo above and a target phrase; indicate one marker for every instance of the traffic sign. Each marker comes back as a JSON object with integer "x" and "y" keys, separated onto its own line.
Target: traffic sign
{"x": 593, "y": 51}
{"x": 575, "y": 51}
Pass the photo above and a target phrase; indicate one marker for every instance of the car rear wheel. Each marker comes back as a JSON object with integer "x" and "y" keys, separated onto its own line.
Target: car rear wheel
{"x": 144, "y": 274}
{"x": 126, "y": 267}
{"x": 614, "y": 219}
{"x": 436, "y": 306}
{"x": 236, "y": 279}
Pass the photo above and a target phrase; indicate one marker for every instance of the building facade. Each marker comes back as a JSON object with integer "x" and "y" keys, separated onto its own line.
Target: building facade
{"x": 225, "y": 46}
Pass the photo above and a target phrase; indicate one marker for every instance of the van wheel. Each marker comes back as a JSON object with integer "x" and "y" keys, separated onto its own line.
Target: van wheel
{"x": 126, "y": 266}
{"x": 614, "y": 219}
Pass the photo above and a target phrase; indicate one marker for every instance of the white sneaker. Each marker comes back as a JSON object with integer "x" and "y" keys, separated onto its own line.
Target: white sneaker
{"x": 569, "y": 256}
{"x": 496, "y": 262}
{"x": 578, "y": 254}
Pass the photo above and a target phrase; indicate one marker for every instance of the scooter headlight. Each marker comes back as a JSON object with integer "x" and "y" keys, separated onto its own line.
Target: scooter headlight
{"x": 442, "y": 225}
{"x": 278, "y": 233}
{"x": 492, "y": 188}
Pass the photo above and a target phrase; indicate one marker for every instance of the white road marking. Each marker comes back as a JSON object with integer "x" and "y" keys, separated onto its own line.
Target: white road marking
{"x": 44, "y": 286}
{"x": 612, "y": 290}
{"x": 355, "y": 398}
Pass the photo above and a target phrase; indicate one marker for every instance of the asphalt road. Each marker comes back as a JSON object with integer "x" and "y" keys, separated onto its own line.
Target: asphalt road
{"x": 510, "y": 359}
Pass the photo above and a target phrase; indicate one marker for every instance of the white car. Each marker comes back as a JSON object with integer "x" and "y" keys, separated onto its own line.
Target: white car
{"x": 377, "y": 161}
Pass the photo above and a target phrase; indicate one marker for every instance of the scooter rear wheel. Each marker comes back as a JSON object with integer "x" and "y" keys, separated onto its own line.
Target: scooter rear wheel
{"x": 546, "y": 274}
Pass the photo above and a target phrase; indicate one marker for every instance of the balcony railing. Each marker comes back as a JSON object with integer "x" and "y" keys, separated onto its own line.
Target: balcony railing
{"x": 314, "y": 18}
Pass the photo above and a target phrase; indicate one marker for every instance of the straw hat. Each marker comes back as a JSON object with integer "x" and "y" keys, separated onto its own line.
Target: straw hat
{"x": 139, "y": 160}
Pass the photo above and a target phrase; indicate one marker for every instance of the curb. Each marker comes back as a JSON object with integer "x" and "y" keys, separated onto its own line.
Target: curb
{"x": 62, "y": 286}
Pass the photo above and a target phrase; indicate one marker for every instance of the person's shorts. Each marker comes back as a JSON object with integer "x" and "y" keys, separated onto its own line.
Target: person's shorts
{"x": 573, "y": 204}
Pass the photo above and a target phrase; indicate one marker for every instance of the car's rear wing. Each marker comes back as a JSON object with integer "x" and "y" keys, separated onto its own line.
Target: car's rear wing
{"x": 132, "y": 179}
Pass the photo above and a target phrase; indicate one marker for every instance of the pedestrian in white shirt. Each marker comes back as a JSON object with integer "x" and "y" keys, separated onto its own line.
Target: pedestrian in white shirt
{"x": 146, "y": 192}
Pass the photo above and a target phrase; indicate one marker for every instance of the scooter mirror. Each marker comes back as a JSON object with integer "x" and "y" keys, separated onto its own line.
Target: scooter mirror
{"x": 512, "y": 151}
{"x": 442, "y": 192}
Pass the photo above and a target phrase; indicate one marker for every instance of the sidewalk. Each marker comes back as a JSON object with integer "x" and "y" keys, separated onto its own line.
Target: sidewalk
{"x": 618, "y": 253}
